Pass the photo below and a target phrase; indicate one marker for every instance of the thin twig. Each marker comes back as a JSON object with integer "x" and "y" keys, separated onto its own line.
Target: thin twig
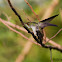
{"x": 44, "y": 38}
{"x": 13, "y": 25}
{"x": 51, "y": 55}
{"x": 55, "y": 34}
{"x": 32, "y": 10}
{"x": 53, "y": 43}
{"x": 13, "y": 29}
{"x": 8, "y": 18}
{"x": 26, "y": 16}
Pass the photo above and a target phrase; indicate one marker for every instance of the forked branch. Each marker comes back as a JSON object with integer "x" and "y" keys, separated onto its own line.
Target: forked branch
{"x": 43, "y": 45}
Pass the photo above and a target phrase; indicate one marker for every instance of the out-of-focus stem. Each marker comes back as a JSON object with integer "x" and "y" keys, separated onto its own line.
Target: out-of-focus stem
{"x": 24, "y": 52}
{"x": 50, "y": 9}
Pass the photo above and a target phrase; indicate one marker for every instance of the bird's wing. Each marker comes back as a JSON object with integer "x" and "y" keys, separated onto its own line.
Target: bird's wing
{"x": 49, "y": 19}
{"x": 49, "y": 24}
{"x": 43, "y": 25}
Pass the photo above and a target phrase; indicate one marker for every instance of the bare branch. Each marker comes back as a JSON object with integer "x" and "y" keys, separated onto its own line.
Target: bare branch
{"x": 44, "y": 38}
{"x": 8, "y": 18}
{"x": 32, "y": 10}
{"x": 26, "y": 16}
{"x": 18, "y": 32}
{"x": 55, "y": 34}
{"x": 21, "y": 19}
{"x": 13, "y": 29}
{"x": 13, "y": 25}
{"x": 53, "y": 43}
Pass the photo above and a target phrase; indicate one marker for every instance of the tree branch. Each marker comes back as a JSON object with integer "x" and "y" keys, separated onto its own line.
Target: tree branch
{"x": 45, "y": 46}
{"x": 32, "y": 10}
{"x": 22, "y": 21}
{"x": 17, "y": 32}
{"x": 20, "y": 28}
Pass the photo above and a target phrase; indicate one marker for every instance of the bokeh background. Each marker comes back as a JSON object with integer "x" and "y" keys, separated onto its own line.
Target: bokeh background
{"x": 12, "y": 44}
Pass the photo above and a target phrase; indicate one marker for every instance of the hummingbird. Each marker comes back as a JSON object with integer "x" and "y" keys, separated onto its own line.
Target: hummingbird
{"x": 37, "y": 28}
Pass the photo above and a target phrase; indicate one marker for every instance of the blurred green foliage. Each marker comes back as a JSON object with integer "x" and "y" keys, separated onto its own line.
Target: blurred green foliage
{"x": 11, "y": 44}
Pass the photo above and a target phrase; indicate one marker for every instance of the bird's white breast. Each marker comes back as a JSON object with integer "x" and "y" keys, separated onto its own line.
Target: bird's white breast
{"x": 34, "y": 29}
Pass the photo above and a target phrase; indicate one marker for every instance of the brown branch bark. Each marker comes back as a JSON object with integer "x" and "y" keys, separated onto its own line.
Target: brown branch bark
{"x": 26, "y": 16}
{"x": 54, "y": 44}
{"x": 32, "y": 10}
{"x": 13, "y": 25}
{"x": 8, "y": 18}
{"x": 55, "y": 35}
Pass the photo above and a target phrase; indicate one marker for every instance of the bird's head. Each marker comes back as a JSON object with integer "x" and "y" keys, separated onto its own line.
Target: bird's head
{"x": 30, "y": 24}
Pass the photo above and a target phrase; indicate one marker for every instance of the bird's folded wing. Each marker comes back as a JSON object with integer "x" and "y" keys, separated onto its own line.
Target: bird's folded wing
{"x": 49, "y": 19}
